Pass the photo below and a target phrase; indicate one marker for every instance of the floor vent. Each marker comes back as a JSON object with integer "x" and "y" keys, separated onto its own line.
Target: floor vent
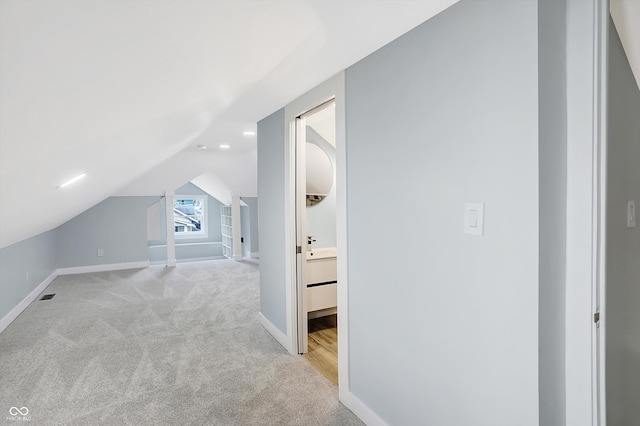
{"x": 47, "y": 296}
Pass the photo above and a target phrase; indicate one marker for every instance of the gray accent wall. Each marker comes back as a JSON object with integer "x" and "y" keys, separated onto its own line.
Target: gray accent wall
{"x": 271, "y": 223}
{"x": 623, "y": 244}
{"x": 552, "y": 25}
{"x": 23, "y": 267}
{"x": 117, "y": 225}
{"x": 443, "y": 326}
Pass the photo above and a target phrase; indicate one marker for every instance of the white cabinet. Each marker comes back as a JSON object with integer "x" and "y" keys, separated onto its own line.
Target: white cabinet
{"x": 322, "y": 297}
{"x": 321, "y": 276}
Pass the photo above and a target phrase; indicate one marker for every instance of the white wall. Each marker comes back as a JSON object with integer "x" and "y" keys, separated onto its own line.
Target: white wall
{"x": 443, "y": 326}
{"x": 623, "y": 244}
{"x": 321, "y": 217}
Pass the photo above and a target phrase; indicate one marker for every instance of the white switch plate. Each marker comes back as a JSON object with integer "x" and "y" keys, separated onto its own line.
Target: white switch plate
{"x": 631, "y": 214}
{"x": 474, "y": 218}
{"x": 100, "y": 252}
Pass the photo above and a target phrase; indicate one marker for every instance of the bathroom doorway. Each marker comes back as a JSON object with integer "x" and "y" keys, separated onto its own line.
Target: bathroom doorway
{"x": 316, "y": 268}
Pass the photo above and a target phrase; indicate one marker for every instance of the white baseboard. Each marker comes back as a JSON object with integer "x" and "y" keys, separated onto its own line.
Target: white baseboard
{"x": 360, "y": 409}
{"x": 17, "y": 310}
{"x": 275, "y": 332}
{"x": 321, "y": 313}
{"x": 103, "y": 268}
{"x": 255, "y": 254}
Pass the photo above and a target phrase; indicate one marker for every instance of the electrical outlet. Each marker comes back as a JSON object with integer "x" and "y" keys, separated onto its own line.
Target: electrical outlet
{"x": 100, "y": 252}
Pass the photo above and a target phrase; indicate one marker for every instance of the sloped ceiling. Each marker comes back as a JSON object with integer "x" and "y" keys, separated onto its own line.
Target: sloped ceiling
{"x": 124, "y": 90}
{"x": 114, "y": 89}
{"x": 626, "y": 18}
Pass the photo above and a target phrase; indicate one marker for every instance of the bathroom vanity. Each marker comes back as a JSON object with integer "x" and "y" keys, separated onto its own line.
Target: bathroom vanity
{"x": 321, "y": 279}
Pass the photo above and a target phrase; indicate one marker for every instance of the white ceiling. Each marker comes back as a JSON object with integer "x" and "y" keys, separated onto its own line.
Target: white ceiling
{"x": 324, "y": 122}
{"x": 115, "y": 89}
{"x": 124, "y": 90}
{"x": 626, "y": 18}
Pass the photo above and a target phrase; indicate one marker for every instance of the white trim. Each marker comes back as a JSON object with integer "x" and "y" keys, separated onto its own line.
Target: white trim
{"x": 255, "y": 254}
{"x": 20, "y": 307}
{"x": 601, "y": 52}
{"x": 300, "y": 143}
{"x": 290, "y": 233}
{"x": 190, "y": 244}
{"x": 332, "y": 88}
{"x": 360, "y": 409}
{"x": 236, "y": 227}
{"x": 274, "y": 331}
{"x": 171, "y": 236}
{"x": 102, "y": 268}
{"x": 204, "y": 225}
{"x": 585, "y": 141}
{"x": 322, "y": 313}
{"x": 342, "y": 242}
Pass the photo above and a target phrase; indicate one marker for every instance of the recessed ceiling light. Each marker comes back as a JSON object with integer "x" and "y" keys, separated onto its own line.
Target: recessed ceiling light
{"x": 201, "y": 147}
{"x": 225, "y": 146}
{"x": 74, "y": 180}
{"x": 249, "y": 133}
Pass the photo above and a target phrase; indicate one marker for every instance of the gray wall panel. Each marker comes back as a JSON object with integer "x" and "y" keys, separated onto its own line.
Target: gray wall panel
{"x": 36, "y": 257}
{"x": 271, "y": 225}
{"x": 623, "y": 244}
{"x": 443, "y": 325}
{"x": 552, "y": 209}
{"x": 118, "y": 225}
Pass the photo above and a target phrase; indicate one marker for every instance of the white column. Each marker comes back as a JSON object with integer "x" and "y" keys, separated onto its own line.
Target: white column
{"x": 236, "y": 227}
{"x": 171, "y": 237}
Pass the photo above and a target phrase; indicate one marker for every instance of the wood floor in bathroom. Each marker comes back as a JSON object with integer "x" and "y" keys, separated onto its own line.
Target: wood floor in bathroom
{"x": 323, "y": 346}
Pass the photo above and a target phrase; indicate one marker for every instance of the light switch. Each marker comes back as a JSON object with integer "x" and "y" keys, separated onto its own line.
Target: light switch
{"x": 631, "y": 214}
{"x": 474, "y": 218}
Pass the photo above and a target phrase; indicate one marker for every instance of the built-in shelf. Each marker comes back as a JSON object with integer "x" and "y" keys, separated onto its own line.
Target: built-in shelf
{"x": 226, "y": 229}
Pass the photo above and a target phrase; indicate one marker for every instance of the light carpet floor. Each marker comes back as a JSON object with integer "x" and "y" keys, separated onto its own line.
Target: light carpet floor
{"x": 174, "y": 346}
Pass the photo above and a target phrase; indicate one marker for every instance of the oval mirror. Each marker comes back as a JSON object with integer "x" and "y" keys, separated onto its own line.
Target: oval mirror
{"x": 319, "y": 174}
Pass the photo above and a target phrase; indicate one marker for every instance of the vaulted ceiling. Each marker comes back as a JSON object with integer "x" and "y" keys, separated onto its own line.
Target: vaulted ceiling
{"x": 125, "y": 91}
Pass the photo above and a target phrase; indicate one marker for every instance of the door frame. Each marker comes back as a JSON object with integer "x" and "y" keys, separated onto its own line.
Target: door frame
{"x": 332, "y": 88}
{"x": 600, "y": 142}
{"x": 586, "y": 91}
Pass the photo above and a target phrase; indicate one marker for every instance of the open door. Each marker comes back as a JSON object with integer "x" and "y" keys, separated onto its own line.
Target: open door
{"x": 301, "y": 226}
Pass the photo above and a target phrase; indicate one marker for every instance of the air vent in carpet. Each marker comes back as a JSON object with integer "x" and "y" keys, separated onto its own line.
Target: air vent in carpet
{"x": 47, "y": 296}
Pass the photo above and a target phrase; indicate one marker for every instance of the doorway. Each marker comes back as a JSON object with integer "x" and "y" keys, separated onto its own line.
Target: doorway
{"x": 316, "y": 234}
{"x": 295, "y": 241}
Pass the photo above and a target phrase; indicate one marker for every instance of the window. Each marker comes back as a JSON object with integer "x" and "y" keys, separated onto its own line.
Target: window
{"x": 190, "y": 216}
